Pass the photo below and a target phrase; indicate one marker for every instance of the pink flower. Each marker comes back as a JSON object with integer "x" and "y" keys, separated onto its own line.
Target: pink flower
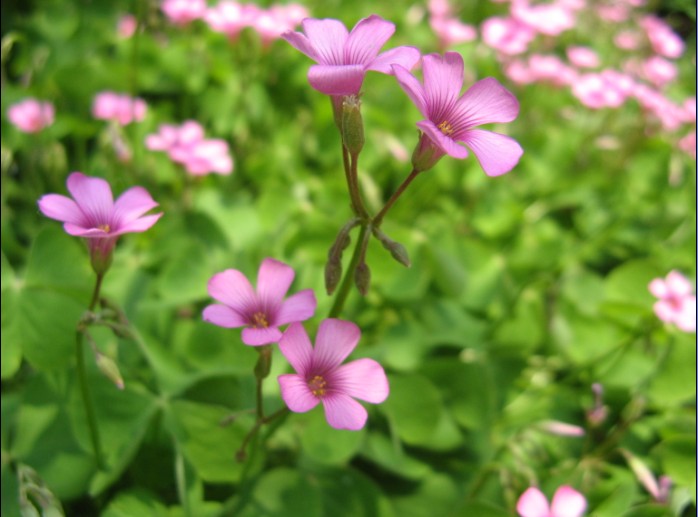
{"x": 127, "y": 25}
{"x": 627, "y": 40}
{"x": 596, "y": 91}
{"x": 276, "y": 20}
{"x": 344, "y": 58}
{"x": 231, "y": 17}
{"x": 659, "y": 71}
{"x": 204, "y": 157}
{"x": 182, "y": 12}
{"x": 452, "y": 117}
{"x": 567, "y": 502}
{"x": 688, "y": 144}
{"x": 321, "y": 378}
{"x": 260, "y": 311}
{"x": 31, "y": 115}
{"x": 121, "y": 108}
{"x": 170, "y": 137}
{"x": 451, "y": 31}
{"x": 664, "y": 41}
{"x": 93, "y": 214}
{"x": 583, "y": 57}
{"x": 507, "y": 35}
{"x": 551, "y": 19}
{"x": 677, "y": 303}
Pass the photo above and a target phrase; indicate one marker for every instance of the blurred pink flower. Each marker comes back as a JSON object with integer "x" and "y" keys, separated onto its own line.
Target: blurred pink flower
{"x": 321, "y": 378}
{"x": 231, "y": 18}
{"x": 677, "y": 303}
{"x": 93, "y": 214}
{"x": 627, "y": 40}
{"x": 688, "y": 144}
{"x": 261, "y": 311}
{"x": 171, "y": 137}
{"x": 659, "y": 71}
{"x": 118, "y": 107}
{"x": 276, "y": 20}
{"x": 451, "y": 31}
{"x": 182, "y": 12}
{"x": 583, "y": 57}
{"x": 31, "y": 115}
{"x": 562, "y": 428}
{"x": 596, "y": 92}
{"x": 126, "y": 26}
{"x": 507, "y": 35}
{"x": 567, "y": 502}
{"x": 664, "y": 41}
{"x": 670, "y": 115}
{"x": 689, "y": 107}
{"x": 439, "y": 9}
{"x": 616, "y": 12}
{"x": 451, "y": 117}
{"x": 551, "y": 19}
{"x": 552, "y": 69}
{"x": 344, "y": 58}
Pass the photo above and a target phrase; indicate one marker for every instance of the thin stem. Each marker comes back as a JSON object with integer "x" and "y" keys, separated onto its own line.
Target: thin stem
{"x": 181, "y": 478}
{"x": 354, "y": 191}
{"x": 339, "y": 300}
{"x": 241, "y": 454}
{"x": 260, "y": 400}
{"x": 379, "y": 217}
{"x": 87, "y": 401}
{"x": 95, "y": 293}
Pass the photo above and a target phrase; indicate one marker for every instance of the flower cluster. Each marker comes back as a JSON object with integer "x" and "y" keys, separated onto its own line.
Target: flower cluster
{"x": 31, "y": 115}
{"x": 676, "y": 302}
{"x": 449, "y": 29}
{"x": 567, "y": 502}
{"x": 120, "y": 108}
{"x": 187, "y": 146}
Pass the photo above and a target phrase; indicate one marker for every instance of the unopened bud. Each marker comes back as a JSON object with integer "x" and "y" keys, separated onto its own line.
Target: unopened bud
{"x": 396, "y": 249}
{"x": 561, "y": 428}
{"x": 333, "y": 268}
{"x": 333, "y": 274}
{"x": 362, "y": 278}
{"x": 263, "y": 366}
{"x": 426, "y": 154}
{"x": 352, "y": 125}
{"x": 109, "y": 369}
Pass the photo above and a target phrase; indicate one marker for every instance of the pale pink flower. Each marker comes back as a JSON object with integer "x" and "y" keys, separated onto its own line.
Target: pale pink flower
{"x": 551, "y": 69}
{"x": 170, "y": 137}
{"x": 93, "y": 214}
{"x": 261, "y": 311}
{"x": 670, "y": 115}
{"x": 231, "y": 18}
{"x": 451, "y": 118}
{"x": 664, "y": 41}
{"x": 616, "y": 12}
{"x": 562, "y": 428}
{"x": 689, "y": 108}
{"x": 439, "y": 9}
{"x": 276, "y": 20}
{"x": 126, "y": 26}
{"x": 118, "y": 107}
{"x": 451, "y": 31}
{"x": 688, "y": 144}
{"x": 659, "y": 71}
{"x": 567, "y": 502}
{"x": 344, "y": 57}
{"x": 583, "y": 57}
{"x": 31, "y": 115}
{"x": 597, "y": 92}
{"x": 182, "y": 12}
{"x": 627, "y": 40}
{"x": 322, "y": 378}
{"x": 677, "y": 303}
{"x": 519, "y": 72}
{"x": 204, "y": 157}
{"x": 507, "y": 35}
{"x": 551, "y": 19}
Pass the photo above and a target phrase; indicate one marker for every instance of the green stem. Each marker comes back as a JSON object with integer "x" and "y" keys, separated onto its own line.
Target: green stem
{"x": 379, "y": 217}
{"x": 354, "y": 192}
{"x": 181, "y": 478}
{"x": 95, "y": 293}
{"x": 241, "y": 455}
{"x": 341, "y": 297}
{"x": 87, "y": 401}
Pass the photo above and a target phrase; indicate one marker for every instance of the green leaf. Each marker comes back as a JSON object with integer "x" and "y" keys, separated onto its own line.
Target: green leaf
{"x": 675, "y": 381}
{"x": 284, "y": 492}
{"x": 324, "y": 444}
{"x": 678, "y": 457}
{"x": 413, "y": 408}
{"x": 389, "y": 455}
{"x": 135, "y": 502}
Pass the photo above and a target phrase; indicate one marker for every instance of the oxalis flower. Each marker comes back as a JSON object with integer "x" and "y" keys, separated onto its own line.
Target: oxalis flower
{"x": 93, "y": 214}
{"x": 452, "y": 118}
{"x": 343, "y": 58}
{"x": 263, "y": 311}
{"x": 321, "y": 378}
{"x": 567, "y": 502}
{"x": 676, "y": 302}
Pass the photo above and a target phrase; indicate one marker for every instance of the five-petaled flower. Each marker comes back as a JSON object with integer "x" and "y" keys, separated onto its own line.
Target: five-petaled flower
{"x": 31, "y": 115}
{"x": 452, "y": 118}
{"x": 263, "y": 311}
{"x": 93, "y": 214}
{"x": 677, "y": 303}
{"x": 343, "y": 58}
{"x": 321, "y": 378}
{"x": 567, "y": 502}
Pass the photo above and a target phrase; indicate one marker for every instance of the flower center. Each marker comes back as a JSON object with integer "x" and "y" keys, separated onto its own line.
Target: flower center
{"x": 104, "y": 227}
{"x": 259, "y": 320}
{"x": 318, "y": 385}
{"x": 446, "y": 128}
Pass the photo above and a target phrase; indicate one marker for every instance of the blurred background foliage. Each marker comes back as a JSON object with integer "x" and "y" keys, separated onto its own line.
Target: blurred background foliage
{"x": 524, "y": 290}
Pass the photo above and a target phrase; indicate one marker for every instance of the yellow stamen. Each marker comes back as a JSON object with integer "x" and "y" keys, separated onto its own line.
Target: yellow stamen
{"x": 446, "y": 128}
{"x": 318, "y": 386}
{"x": 259, "y": 320}
{"x": 104, "y": 227}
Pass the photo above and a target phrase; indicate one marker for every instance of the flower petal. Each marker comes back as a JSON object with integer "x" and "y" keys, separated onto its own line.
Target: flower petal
{"x": 497, "y": 154}
{"x": 533, "y": 503}
{"x": 299, "y": 307}
{"x": 406, "y": 57}
{"x": 232, "y": 288}
{"x": 273, "y": 280}
{"x": 665, "y": 311}
{"x": 658, "y": 287}
{"x": 343, "y": 412}
{"x": 443, "y": 142}
{"x": 363, "y": 379}
{"x": 93, "y": 196}
{"x": 300, "y": 42}
{"x": 443, "y": 81}
{"x": 413, "y": 88}
{"x": 678, "y": 285}
{"x": 139, "y": 225}
{"x": 81, "y": 231}
{"x": 336, "y": 79}
{"x": 567, "y": 502}
{"x": 366, "y": 39}
{"x": 485, "y": 102}
{"x": 296, "y": 348}
{"x": 132, "y": 204}
{"x": 61, "y": 208}
{"x": 335, "y": 340}
{"x": 260, "y": 336}
{"x": 328, "y": 37}
{"x": 296, "y": 393}
{"x": 224, "y": 316}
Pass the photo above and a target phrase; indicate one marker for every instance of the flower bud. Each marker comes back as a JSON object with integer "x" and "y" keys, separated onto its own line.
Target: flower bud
{"x": 362, "y": 278}
{"x": 426, "y": 154}
{"x": 109, "y": 369}
{"x": 333, "y": 274}
{"x": 396, "y": 249}
{"x": 352, "y": 124}
{"x": 263, "y": 366}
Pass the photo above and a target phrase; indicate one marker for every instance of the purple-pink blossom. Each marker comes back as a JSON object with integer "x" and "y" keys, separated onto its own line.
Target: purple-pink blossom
{"x": 182, "y": 12}
{"x": 567, "y": 502}
{"x": 451, "y": 118}
{"x": 118, "y": 107}
{"x": 322, "y": 378}
{"x": 676, "y": 302}
{"x": 31, "y": 115}
{"x": 93, "y": 214}
{"x": 507, "y": 35}
{"x": 343, "y": 58}
{"x": 263, "y": 310}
